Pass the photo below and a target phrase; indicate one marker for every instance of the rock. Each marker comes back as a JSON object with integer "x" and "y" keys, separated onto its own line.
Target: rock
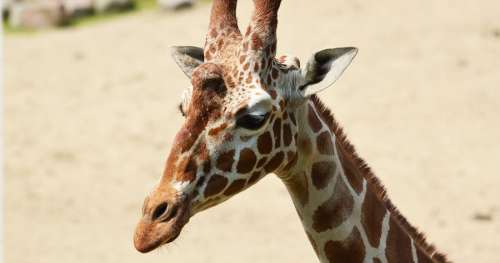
{"x": 175, "y": 4}
{"x": 78, "y": 8}
{"x": 37, "y": 14}
{"x": 113, "y": 5}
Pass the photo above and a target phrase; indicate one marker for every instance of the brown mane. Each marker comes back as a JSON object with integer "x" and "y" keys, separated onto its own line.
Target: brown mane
{"x": 375, "y": 183}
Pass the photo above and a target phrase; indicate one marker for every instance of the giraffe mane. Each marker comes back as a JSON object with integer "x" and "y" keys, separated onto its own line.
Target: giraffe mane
{"x": 375, "y": 183}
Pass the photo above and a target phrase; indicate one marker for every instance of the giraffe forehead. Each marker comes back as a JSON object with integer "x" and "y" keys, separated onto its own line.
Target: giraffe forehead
{"x": 254, "y": 99}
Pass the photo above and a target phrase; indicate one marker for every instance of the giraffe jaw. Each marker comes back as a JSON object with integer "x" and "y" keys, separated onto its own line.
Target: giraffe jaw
{"x": 150, "y": 234}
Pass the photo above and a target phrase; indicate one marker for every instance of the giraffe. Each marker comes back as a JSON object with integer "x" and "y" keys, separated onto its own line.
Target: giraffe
{"x": 249, "y": 114}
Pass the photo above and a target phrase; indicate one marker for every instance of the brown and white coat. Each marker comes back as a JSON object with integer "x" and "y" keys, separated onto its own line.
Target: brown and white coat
{"x": 249, "y": 114}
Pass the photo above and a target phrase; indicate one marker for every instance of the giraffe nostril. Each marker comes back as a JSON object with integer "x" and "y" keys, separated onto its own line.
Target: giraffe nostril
{"x": 164, "y": 212}
{"x": 159, "y": 211}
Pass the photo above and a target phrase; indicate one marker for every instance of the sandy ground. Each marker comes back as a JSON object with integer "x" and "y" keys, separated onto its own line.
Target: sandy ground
{"x": 91, "y": 114}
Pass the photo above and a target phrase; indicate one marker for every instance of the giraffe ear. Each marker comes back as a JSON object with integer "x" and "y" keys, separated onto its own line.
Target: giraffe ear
{"x": 324, "y": 68}
{"x": 187, "y": 58}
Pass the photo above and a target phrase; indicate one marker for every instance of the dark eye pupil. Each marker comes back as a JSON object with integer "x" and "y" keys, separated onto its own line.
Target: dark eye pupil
{"x": 252, "y": 122}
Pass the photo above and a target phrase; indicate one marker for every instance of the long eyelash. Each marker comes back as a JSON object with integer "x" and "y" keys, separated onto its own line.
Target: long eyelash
{"x": 181, "y": 110}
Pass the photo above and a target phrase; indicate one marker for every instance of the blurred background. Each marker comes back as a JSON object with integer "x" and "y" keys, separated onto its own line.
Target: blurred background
{"x": 91, "y": 98}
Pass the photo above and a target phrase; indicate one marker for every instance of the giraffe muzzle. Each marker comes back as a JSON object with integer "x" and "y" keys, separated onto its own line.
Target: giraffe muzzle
{"x": 161, "y": 225}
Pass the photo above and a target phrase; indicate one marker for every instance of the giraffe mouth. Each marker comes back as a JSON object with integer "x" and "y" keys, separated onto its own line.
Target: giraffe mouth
{"x": 151, "y": 234}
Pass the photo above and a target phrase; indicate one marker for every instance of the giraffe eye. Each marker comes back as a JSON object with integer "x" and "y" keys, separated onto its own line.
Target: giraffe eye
{"x": 252, "y": 121}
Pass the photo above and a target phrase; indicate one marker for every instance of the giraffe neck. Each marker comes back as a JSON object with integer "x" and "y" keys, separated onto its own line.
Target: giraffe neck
{"x": 342, "y": 206}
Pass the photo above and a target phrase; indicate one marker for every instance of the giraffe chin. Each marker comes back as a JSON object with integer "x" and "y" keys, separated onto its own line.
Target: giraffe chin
{"x": 150, "y": 235}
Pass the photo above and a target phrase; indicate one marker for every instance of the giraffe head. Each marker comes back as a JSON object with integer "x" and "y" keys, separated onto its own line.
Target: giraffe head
{"x": 239, "y": 117}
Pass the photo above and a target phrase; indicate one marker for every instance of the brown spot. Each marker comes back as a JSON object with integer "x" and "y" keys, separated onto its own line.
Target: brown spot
{"x": 261, "y": 162}
{"x": 230, "y": 83}
{"x": 246, "y": 66}
{"x": 207, "y": 166}
{"x": 215, "y": 131}
{"x": 322, "y": 173}
{"x": 376, "y": 260}
{"x": 273, "y": 94}
{"x": 255, "y": 176}
{"x": 335, "y": 210}
{"x": 274, "y": 73}
{"x": 292, "y": 117}
{"x": 373, "y": 213}
{"x": 269, "y": 80}
{"x": 245, "y": 46}
{"x": 351, "y": 169}
{"x": 277, "y": 133}
{"x": 235, "y": 187}
{"x": 189, "y": 171}
{"x": 275, "y": 162}
{"x": 287, "y": 134}
{"x": 314, "y": 122}
{"x": 242, "y": 59}
{"x": 398, "y": 245}
{"x": 220, "y": 43}
{"x": 215, "y": 185}
{"x": 246, "y": 161}
{"x": 324, "y": 143}
{"x": 350, "y": 250}
{"x": 265, "y": 143}
{"x": 256, "y": 67}
{"x": 225, "y": 161}
{"x": 285, "y": 116}
{"x": 208, "y": 56}
{"x": 202, "y": 152}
